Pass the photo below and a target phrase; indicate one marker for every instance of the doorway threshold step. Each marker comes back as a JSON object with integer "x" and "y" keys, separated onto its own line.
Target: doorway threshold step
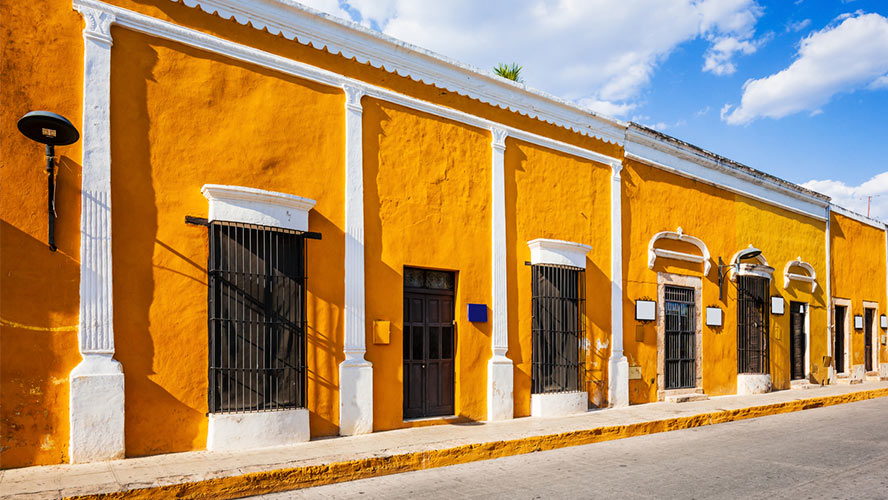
{"x": 848, "y": 381}
{"x": 803, "y": 384}
{"x": 686, "y": 398}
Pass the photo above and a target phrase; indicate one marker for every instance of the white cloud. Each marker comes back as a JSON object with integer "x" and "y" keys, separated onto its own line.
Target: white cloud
{"x": 601, "y": 53}
{"x": 719, "y": 58}
{"x": 855, "y": 197}
{"x": 879, "y": 83}
{"x": 843, "y": 57}
{"x": 797, "y": 26}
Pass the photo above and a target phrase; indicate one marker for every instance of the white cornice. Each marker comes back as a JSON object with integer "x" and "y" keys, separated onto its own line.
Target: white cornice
{"x": 558, "y": 252}
{"x": 297, "y": 22}
{"x": 858, "y": 217}
{"x": 687, "y": 161}
{"x": 257, "y": 206}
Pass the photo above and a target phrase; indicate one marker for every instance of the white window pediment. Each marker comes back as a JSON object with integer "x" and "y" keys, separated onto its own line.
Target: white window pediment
{"x": 760, "y": 269}
{"x": 558, "y": 252}
{"x": 788, "y": 276}
{"x": 679, "y": 235}
{"x": 257, "y": 206}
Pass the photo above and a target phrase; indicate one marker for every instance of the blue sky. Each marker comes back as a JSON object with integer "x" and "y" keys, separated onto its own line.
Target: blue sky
{"x": 797, "y": 88}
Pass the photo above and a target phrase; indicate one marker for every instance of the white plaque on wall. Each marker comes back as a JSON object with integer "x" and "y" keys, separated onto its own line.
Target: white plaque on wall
{"x": 713, "y": 316}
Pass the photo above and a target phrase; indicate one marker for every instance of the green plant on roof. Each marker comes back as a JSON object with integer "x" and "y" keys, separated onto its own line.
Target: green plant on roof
{"x": 509, "y": 71}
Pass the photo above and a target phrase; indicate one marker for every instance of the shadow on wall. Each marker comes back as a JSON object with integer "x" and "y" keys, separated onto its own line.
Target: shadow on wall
{"x": 38, "y": 345}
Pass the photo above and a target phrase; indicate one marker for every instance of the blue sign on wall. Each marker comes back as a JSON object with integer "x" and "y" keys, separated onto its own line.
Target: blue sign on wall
{"x": 478, "y": 313}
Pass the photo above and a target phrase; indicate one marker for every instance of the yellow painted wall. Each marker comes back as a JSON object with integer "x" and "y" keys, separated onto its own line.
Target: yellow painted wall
{"x": 553, "y": 195}
{"x": 39, "y": 289}
{"x": 181, "y": 118}
{"x": 858, "y": 269}
{"x": 426, "y": 204}
{"x": 654, "y": 201}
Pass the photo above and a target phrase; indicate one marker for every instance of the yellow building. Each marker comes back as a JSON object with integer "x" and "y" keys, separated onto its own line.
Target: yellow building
{"x": 278, "y": 226}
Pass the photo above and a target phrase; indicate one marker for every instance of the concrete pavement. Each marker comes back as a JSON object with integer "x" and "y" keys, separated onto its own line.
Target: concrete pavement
{"x": 324, "y": 461}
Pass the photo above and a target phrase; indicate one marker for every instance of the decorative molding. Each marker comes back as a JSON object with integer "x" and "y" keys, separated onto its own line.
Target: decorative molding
{"x": 762, "y": 269}
{"x": 858, "y": 217}
{"x": 353, "y": 97}
{"x": 98, "y": 24}
{"x": 811, "y": 277}
{"x": 618, "y": 364}
{"x": 158, "y": 28}
{"x": 257, "y": 206}
{"x": 667, "y": 153}
{"x": 679, "y": 235}
{"x": 558, "y": 252}
{"x": 321, "y": 31}
{"x": 500, "y": 399}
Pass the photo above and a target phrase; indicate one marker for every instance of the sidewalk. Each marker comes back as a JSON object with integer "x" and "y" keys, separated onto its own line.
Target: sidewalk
{"x": 323, "y": 461}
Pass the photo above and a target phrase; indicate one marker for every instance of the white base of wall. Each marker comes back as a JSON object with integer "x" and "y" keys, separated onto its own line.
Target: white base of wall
{"x": 355, "y": 397}
{"x": 858, "y": 372}
{"x": 831, "y": 375}
{"x": 96, "y": 410}
{"x": 500, "y": 402}
{"x": 618, "y": 382}
{"x": 883, "y": 370}
{"x": 558, "y": 404}
{"x": 244, "y": 431}
{"x": 753, "y": 383}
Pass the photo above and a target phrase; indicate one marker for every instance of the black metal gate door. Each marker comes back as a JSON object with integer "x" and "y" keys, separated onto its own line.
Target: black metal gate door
{"x": 868, "y": 339}
{"x": 752, "y": 325}
{"x": 681, "y": 333}
{"x": 797, "y": 340}
{"x": 839, "y": 340}
{"x": 428, "y": 343}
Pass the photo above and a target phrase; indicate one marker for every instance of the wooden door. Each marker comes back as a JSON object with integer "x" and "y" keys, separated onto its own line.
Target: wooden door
{"x": 429, "y": 341}
{"x": 839, "y": 340}
{"x": 869, "y": 316}
{"x": 797, "y": 340}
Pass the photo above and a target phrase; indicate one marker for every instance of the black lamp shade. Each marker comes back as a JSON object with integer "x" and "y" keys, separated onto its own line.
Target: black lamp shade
{"x": 48, "y": 128}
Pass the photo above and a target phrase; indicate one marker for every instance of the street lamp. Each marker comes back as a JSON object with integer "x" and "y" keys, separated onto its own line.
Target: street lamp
{"x": 748, "y": 253}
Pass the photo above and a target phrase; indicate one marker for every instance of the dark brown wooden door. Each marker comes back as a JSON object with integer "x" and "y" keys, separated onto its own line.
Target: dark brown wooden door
{"x": 429, "y": 340}
{"x": 869, "y": 316}
{"x": 839, "y": 340}
{"x": 797, "y": 340}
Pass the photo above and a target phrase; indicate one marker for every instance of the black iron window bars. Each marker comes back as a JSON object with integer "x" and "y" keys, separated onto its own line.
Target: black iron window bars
{"x": 753, "y": 325}
{"x": 256, "y": 318}
{"x": 558, "y": 329}
{"x": 681, "y": 337}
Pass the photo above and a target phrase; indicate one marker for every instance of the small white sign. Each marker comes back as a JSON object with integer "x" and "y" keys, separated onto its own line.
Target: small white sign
{"x": 884, "y": 321}
{"x": 645, "y": 310}
{"x": 858, "y": 322}
{"x": 777, "y": 305}
{"x": 713, "y": 316}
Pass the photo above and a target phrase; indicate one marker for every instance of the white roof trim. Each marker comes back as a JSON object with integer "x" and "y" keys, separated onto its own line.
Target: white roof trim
{"x": 761, "y": 269}
{"x": 811, "y": 277}
{"x": 679, "y": 235}
{"x": 308, "y": 26}
{"x": 685, "y": 161}
{"x": 558, "y": 252}
{"x": 257, "y": 206}
{"x": 858, "y": 217}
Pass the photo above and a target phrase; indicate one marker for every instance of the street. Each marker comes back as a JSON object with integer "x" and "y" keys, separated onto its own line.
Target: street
{"x": 828, "y": 453}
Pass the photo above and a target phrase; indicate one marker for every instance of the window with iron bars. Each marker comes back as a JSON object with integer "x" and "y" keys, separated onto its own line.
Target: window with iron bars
{"x": 256, "y": 318}
{"x": 559, "y": 332}
{"x": 753, "y": 319}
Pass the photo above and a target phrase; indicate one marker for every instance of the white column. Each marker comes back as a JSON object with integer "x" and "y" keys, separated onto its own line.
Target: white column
{"x": 500, "y": 403}
{"x": 96, "y": 393}
{"x": 355, "y": 373}
{"x": 618, "y": 365}
{"x": 830, "y": 371}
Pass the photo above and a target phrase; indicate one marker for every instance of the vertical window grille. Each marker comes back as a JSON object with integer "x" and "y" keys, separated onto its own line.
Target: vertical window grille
{"x": 558, "y": 337}
{"x": 257, "y": 318}
{"x": 681, "y": 337}
{"x": 753, "y": 318}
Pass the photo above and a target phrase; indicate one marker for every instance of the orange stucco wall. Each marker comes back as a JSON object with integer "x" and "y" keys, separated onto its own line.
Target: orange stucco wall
{"x": 553, "y": 195}
{"x": 39, "y": 289}
{"x": 858, "y": 269}
{"x": 426, "y": 204}
{"x": 656, "y": 201}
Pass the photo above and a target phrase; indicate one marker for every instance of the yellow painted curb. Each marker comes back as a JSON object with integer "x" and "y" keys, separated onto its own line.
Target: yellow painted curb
{"x": 301, "y": 477}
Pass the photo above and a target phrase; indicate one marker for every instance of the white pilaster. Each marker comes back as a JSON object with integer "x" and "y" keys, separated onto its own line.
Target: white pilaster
{"x": 96, "y": 392}
{"x": 618, "y": 365}
{"x": 830, "y": 331}
{"x": 500, "y": 402}
{"x": 355, "y": 373}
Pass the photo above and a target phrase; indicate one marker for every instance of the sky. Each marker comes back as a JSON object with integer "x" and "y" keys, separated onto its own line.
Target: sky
{"x": 796, "y": 88}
